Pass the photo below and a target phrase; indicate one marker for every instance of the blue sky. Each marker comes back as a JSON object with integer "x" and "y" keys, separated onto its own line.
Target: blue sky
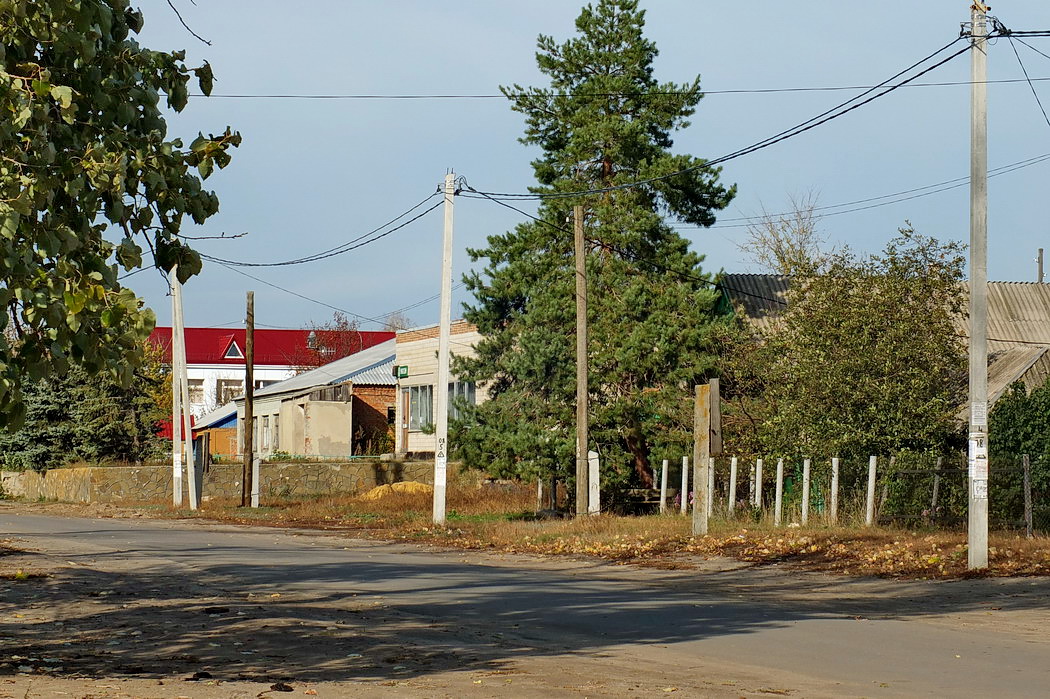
{"x": 312, "y": 174}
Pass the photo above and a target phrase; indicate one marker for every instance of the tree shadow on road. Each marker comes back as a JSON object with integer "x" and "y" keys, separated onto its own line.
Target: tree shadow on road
{"x": 322, "y": 613}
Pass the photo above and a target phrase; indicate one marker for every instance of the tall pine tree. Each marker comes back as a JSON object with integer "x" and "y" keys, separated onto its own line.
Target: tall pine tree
{"x": 603, "y": 121}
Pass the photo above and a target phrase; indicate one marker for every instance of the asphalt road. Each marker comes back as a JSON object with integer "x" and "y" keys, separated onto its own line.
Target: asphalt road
{"x": 800, "y": 633}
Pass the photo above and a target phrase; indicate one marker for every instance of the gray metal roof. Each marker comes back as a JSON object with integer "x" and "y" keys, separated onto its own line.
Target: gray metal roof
{"x": 1018, "y": 312}
{"x": 355, "y": 367}
{"x": 762, "y": 296}
{"x": 216, "y": 416}
{"x": 1018, "y": 324}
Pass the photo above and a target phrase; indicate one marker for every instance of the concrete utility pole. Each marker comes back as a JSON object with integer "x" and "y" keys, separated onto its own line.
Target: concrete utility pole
{"x": 249, "y": 402}
{"x": 185, "y": 415}
{"x": 444, "y": 335}
{"x": 176, "y": 394}
{"x": 978, "y": 452}
{"x": 1039, "y": 266}
{"x": 581, "y": 363}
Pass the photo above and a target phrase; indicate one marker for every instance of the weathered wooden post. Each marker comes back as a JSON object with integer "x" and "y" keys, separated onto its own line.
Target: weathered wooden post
{"x": 806, "y": 464}
{"x": 711, "y": 487}
{"x": 663, "y": 488}
{"x": 731, "y": 505}
{"x": 778, "y": 505}
{"x": 701, "y": 457}
{"x": 758, "y": 484}
{"x": 684, "y": 495}
{"x": 1027, "y": 464}
{"x": 835, "y": 490}
{"x": 869, "y": 513}
{"x": 936, "y": 488}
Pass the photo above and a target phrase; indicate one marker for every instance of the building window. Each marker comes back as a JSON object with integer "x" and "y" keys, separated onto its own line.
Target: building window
{"x": 196, "y": 388}
{"x": 255, "y": 434}
{"x": 263, "y": 383}
{"x": 460, "y": 393}
{"x": 266, "y": 433}
{"x": 276, "y": 433}
{"x": 233, "y": 352}
{"x": 228, "y": 389}
{"x": 420, "y": 407}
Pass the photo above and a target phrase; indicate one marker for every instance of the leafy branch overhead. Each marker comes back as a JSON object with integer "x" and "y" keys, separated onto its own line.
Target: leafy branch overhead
{"x": 84, "y": 155}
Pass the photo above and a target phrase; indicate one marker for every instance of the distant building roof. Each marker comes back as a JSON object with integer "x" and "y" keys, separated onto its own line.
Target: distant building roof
{"x": 223, "y": 416}
{"x": 1018, "y": 324}
{"x": 364, "y": 367}
{"x": 272, "y": 347}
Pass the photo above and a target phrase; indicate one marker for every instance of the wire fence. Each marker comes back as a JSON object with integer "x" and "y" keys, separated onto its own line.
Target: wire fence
{"x": 912, "y": 490}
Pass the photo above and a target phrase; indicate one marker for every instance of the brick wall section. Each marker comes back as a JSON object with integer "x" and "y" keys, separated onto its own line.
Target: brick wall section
{"x": 370, "y": 409}
{"x": 115, "y": 484}
{"x": 459, "y": 327}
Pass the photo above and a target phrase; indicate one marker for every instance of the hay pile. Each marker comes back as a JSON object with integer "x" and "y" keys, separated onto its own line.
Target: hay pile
{"x": 404, "y": 488}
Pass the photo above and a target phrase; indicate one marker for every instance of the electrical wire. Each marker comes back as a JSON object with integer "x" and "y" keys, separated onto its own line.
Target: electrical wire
{"x": 501, "y": 96}
{"x": 811, "y": 123}
{"x": 302, "y": 296}
{"x": 637, "y": 258}
{"x": 354, "y": 244}
{"x": 1030, "y": 84}
{"x": 1022, "y": 41}
{"x": 938, "y": 187}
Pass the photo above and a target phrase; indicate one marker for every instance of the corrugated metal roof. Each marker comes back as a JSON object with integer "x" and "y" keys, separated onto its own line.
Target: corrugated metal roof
{"x": 335, "y": 372}
{"x": 762, "y": 296}
{"x": 1018, "y": 312}
{"x": 216, "y": 417}
{"x": 378, "y": 375}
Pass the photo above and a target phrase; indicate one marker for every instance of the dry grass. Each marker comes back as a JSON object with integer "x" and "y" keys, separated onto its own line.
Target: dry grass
{"x": 501, "y": 518}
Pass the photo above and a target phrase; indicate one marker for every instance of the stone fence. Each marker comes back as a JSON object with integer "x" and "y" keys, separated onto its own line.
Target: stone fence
{"x": 127, "y": 484}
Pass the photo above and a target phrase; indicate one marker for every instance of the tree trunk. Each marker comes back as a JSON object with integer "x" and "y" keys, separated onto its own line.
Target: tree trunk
{"x": 636, "y": 444}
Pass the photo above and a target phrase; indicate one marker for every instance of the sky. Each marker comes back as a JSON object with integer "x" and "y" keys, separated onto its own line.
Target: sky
{"x": 314, "y": 173}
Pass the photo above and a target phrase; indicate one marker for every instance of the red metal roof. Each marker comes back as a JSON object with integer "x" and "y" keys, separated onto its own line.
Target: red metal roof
{"x": 272, "y": 347}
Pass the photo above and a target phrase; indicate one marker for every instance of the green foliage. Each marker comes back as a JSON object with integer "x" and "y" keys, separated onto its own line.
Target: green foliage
{"x": 80, "y": 417}
{"x": 866, "y": 359}
{"x": 1020, "y": 422}
{"x": 603, "y": 121}
{"x": 83, "y": 151}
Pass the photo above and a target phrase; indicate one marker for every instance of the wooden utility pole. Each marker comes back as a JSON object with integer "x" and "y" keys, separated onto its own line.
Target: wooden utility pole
{"x": 444, "y": 337}
{"x": 176, "y": 394}
{"x": 701, "y": 457}
{"x": 185, "y": 415}
{"x": 1039, "y": 266}
{"x": 248, "y": 447}
{"x": 582, "y": 473}
{"x": 977, "y": 549}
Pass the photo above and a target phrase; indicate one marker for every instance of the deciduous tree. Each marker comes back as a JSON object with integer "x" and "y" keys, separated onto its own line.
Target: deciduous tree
{"x": 85, "y": 161}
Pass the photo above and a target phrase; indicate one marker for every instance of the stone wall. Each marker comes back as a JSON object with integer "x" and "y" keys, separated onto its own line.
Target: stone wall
{"x": 127, "y": 484}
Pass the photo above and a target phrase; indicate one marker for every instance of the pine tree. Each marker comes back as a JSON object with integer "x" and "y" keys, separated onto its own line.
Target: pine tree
{"x": 604, "y": 121}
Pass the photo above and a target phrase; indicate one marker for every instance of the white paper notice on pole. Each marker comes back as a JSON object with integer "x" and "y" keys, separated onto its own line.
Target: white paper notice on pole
{"x": 177, "y": 463}
{"x": 441, "y": 457}
{"x": 980, "y": 488}
{"x": 978, "y": 454}
{"x": 979, "y": 413}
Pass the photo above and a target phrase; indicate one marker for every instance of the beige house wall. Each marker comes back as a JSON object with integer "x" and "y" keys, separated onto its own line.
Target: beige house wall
{"x": 417, "y": 349}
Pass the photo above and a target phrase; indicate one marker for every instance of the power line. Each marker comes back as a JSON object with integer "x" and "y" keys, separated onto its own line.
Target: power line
{"x": 501, "y": 96}
{"x": 818, "y": 120}
{"x": 302, "y": 296}
{"x": 631, "y": 255}
{"x": 937, "y": 189}
{"x": 1032, "y": 86}
{"x": 354, "y": 244}
{"x": 409, "y": 307}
